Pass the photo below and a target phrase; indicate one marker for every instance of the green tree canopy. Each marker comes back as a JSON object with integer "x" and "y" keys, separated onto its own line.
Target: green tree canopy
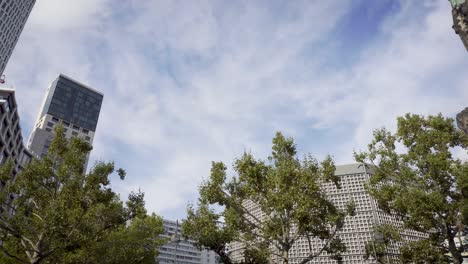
{"x": 418, "y": 178}
{"x": 53, "y": 212}
{"x": 288, "y": 193}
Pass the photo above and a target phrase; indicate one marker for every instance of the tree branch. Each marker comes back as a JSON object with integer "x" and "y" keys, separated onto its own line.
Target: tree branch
{"x": 12, "y": 256}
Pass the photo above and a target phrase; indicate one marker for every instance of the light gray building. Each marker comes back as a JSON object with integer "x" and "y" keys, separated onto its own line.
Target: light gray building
{"x": 182, "y": 251}
{"x": 11, "y": 139}
{"x": 73, "y": 105}
{"x": 13, "y": 16}
{"x": 358, "y": 229}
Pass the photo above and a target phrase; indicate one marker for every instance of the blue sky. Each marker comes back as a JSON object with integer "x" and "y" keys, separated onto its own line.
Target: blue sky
{"x": 188, "y": 82}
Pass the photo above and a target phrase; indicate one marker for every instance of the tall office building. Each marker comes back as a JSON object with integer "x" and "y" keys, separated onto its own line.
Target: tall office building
{"x": 13, "y": 16}
{"x": 182, "y": 251}
{"x": 358, "y": 229}
{"x": 11, "y": 140}
{"x": 73, "y": 105}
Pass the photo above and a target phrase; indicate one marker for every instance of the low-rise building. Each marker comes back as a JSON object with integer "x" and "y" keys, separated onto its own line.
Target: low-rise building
{"x": 180, "y": 250}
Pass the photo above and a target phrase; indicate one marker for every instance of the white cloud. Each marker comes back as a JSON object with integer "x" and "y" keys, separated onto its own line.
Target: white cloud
{"x": 190, "y": 82}
{"x": 56, "y": 15}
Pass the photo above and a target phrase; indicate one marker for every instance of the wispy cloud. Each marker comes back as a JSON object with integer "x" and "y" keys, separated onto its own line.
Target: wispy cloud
{"x": 188, "y": 82}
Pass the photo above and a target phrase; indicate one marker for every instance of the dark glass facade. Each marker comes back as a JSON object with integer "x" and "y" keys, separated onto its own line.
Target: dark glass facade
{"x": 74, "y": 103}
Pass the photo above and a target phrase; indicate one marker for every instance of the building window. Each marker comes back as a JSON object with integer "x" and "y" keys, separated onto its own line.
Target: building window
{"x": 85, "y": 131}
{"x": 66, "y": 123}
{"x": 76, "y": 127}
{"x": 48, "y": 129}
{"x": 87, "y": 138}
{"x": 55, "y": 119}
{"x": 50, "y": 124}
{"x": 75, "y": 133}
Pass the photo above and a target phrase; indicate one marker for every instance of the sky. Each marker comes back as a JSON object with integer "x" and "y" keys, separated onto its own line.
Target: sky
{"x": 190, "y": 82}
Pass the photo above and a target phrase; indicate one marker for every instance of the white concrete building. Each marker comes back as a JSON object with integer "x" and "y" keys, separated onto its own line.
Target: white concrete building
{"x": 180, "y": 250}
{"x": 73, "y": 105}
{"x": 13, "y": 16}
{"x": 357, "y": 231}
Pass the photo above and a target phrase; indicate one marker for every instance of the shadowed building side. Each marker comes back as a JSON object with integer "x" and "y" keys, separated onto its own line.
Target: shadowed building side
{"x": 460, "y": 19}
{"x": 462, "y": 120}
{"x": 11, "y": 139}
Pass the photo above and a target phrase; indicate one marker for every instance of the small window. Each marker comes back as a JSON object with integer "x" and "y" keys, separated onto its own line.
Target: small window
{"x": 55, "y": 119}
{"x": 48, "y": 129}
{"x": 66, "y": 123}
{"x": 75, "y": 133}
{"x": 76, "y": 127}
{"x": 85, "y": 131}
{"x": 50, "y": 124}
{"x": 87, "y": 138}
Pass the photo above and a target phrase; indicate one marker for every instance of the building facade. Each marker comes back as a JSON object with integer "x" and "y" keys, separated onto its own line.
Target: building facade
{"x": 13, "y": 16}
{"x": 462, "y": 120}
{"x": 11, "y": 139}
{"x": 460, "y": 19}
{"x": 182, "y": 251}
{"x": 71, "y": 104}
{"x": 357, "y": 231}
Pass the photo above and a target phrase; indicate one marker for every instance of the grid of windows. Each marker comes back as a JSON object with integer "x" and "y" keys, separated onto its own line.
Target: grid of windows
{"x": 13, "y": 16}
{"x": 75, "y": 104}
{"x": 183, "y": 252}
{"x": 11, "y": 140}
{"x": 357, "y": 230}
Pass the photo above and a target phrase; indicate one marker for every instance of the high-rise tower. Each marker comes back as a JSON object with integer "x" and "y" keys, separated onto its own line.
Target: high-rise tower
{"x": 73, "y": 105}
{"x": 13, "y": 16}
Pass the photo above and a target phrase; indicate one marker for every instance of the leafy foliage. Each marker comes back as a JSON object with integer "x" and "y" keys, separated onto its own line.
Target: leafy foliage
{"x": 288, "y": 194}
{"x": 55, "y": 213}
{"x": 377, "y": 248}
{"x": 418, "y": 178}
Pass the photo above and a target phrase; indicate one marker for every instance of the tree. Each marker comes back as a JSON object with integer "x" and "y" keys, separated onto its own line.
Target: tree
{"x": 378, "y": 247}
{"x": 418, "y": 179}
{"x": 289, "y": 200}
{"x": 55, "y": 213}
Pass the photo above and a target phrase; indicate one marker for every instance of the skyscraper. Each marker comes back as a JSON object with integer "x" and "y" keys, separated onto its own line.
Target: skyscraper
{"x": 73, "y": 105}
{"x": 13, "y": 16}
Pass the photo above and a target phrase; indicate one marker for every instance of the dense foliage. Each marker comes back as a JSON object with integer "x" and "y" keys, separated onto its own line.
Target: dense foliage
{"x": 53, "y": 212}
{"x": 419, "y": 179}
{"x": 288, "y": 193}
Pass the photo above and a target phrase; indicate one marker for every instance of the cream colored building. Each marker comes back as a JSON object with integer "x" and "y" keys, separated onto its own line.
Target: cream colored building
{"x": 357, "y": 231}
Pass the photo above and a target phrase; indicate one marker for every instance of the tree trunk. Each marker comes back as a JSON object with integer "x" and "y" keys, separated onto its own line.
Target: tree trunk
{"x": 456, "y": 255}
{"x": 285, "y": 256}
{"x": 36, "y": 260}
